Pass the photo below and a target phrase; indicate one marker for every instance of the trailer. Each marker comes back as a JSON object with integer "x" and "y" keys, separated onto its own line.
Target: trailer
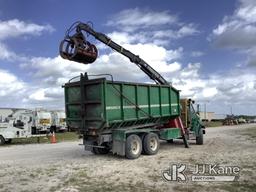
{"x": 125, "y": 118}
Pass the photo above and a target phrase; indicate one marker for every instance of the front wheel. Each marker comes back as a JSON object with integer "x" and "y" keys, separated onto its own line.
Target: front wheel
{"x": 151, "y": 144}
{"x": 8, "y": 141}
{"x": 200, "y": 138}
{"x": 2, "y": 141}
{"x": 133, "y": 147}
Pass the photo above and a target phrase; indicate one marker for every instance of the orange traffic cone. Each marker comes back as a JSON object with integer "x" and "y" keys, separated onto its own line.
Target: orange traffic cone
{"x": 53, "y": 138}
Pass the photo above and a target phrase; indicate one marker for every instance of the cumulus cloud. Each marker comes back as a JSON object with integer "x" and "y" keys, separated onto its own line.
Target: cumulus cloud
{"x": 221, "y": 90}
{"x": 147, "y": 26}
{"x": 47, "y": 74}
{"x": 238, "y": 30}
{"x": 6, "y": 54}
{"x": 132, "y": 19}
{"x": 197, "y": 53}
{"x": 10, "y": 84}
{"x": 14, "y": 28}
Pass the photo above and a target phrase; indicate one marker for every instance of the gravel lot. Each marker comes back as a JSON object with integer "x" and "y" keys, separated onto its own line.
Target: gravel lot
{"x": 67, "y": 167}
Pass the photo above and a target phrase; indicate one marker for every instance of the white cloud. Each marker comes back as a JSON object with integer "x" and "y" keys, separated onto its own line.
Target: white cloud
{"x": 197, "y": 53}
{"x": 237, "y": 30}
{"x": 38, "y": 95}
{"x": 6, "y": 54}
{"x": 187, "y": 30}
{"x": 10, "y": 84}
{"x": 209, "y": 92}
{"x": 132, "y": 19}
{"x": 47, "y": 74}
{"x": 15, "y": 28}
{"x": 147, "y": 26}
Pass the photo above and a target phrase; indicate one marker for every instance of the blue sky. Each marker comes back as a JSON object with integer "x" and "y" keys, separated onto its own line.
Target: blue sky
{"x": 205, "y": 48}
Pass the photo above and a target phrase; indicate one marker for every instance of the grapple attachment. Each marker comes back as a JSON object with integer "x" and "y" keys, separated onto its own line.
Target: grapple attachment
{"x": 76, "y": 48}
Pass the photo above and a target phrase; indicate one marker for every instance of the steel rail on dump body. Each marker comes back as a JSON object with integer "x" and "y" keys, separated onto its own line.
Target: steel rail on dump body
{"x": 146, "y": 68}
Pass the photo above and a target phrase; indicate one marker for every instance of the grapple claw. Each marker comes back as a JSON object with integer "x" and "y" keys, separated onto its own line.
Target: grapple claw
{"x": 76, "y": 48}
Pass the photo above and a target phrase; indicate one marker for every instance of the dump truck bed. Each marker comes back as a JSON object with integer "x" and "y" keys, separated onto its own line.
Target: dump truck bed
{"x": 104, "y": 104}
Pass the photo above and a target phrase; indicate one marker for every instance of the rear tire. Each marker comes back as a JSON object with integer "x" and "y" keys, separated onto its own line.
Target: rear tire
{"x": 133, "y": 147}
{"x": 105, "y": 150}
{"x": 8, "y": 141}
{"x": 95, "y": 150}
{"x": 151, "y": 144}
{"x": 2, "y": 141}
{"x": 200, "y": 138}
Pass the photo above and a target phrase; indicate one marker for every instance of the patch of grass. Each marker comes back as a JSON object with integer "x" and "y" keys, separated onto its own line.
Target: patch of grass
{"x": 83, "y": 182}
{"x": 154, "y": 178}
{"x": 250, "y": 132}
{"x": 67, "y": 136}
{"x": 224, "y": 186}
{"x": 29, "y": 140}
{"x": 238, "y": 186}
{"x": 60, "y": 137}
{"x": 51, "y": 171}
{"x": 213, "y": 124}
{"x": 187, "y": 188}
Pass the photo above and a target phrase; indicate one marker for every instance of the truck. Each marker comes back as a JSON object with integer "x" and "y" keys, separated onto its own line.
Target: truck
{"x": 18, "y": 125}
{"x": 58, "y": 121}
{"x": 126, "y": 118}
{"x": 41, "y": 121}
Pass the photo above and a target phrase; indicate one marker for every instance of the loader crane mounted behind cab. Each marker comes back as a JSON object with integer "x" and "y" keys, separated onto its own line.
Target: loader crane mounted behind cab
{"x": 76, "y": 48}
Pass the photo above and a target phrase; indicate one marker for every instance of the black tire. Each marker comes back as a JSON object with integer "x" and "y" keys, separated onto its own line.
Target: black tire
{"x": 95, "y": 150}
{"x": 2, "y": 141}
{"x": 8, "y": 141}
{"x": 101, "y": 151}
{"x": 200, "y": 138}
{"x": 151, "y": 144}
{"x": 133, "y": 147}
{"x": 170, "y": 141}
{"x": 105, "y": 150}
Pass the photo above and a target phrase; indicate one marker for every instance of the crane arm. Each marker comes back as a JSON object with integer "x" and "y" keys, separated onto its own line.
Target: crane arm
{"x": 146, "y": 68}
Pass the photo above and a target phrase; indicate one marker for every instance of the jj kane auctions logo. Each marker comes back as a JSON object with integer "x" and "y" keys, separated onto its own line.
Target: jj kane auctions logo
{"x": 201, "y": 172}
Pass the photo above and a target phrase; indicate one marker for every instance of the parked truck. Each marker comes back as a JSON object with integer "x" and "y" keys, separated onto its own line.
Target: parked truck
{"x": 58, "y": 121}
{"x": 18, "y": 125}
{"x": 41, "y": 121}
{"x": 125, "y": 118}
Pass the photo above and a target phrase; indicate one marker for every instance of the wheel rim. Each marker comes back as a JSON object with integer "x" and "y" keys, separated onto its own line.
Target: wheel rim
{"x": 153, "y": 144}
{"x": 135, "y": 148}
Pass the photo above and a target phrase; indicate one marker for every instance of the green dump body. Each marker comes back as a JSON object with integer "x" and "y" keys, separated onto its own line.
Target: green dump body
{"x": 101, "y": 104}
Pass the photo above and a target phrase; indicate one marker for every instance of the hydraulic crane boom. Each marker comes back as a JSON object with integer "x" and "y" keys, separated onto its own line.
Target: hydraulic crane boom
{"x": 87, "y": 53}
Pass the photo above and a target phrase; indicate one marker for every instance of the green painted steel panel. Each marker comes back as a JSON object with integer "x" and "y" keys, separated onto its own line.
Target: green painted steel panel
{"x": 110, "y": 104}
{"x": 170, "y": 133}
{"x": 113, "y": 102}
{"x": 143, "y": 93}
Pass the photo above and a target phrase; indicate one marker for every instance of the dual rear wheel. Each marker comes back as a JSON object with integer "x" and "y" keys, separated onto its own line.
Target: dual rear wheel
{"x": 135, "y": 145}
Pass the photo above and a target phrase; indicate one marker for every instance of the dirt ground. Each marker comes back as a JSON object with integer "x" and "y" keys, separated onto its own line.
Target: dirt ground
{"x": 66, "y": 167}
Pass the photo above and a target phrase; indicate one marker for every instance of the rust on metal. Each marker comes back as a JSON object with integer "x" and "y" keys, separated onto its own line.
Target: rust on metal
{"x": 77, "y": 48}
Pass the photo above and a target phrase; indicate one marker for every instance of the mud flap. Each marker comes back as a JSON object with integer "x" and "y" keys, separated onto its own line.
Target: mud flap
{"x": 118, "y": 147}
